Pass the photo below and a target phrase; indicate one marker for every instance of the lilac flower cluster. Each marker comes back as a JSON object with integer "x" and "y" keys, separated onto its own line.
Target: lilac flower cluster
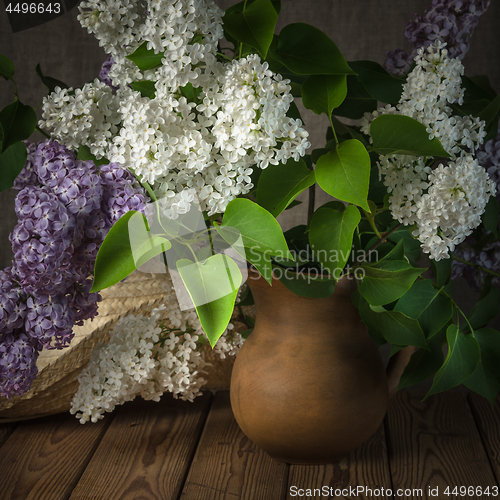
{"x": 450, "y": 21}
{"x": 104, "y": 73}
{"x": 488, "y": 257}
{"x": 65, "y": 208}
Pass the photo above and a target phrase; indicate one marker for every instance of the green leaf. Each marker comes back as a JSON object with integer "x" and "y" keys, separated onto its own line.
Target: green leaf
{"x": 423, "y": 364}
{"x": 490, "y": 112}
{"x": 306, "y": 50}
{"x": 145, "y": 87}
{"x": 262, "y": 262}
{"x": 425, "y": 304}
{"x": 49, "y": 82}
{"x": 485, "y": 380}
{"x": 253, "y": 26}
{"x": 258, "y": 228}
{"x": 483, "y": 311}
{"x": 386, "y": 281}
{"x": 490, "y": 216}
{"x": 330, "y": 235}
{"x": 345, "y": 173}
{"x": 380, "y": 84}
{"x": 357, "y": 102}
{"x": 145, "y": 58}
{"x": 18, "y": 123}
{"x": 1, "y": 137}
{"x": 128, "y": 245}
{"x": 306, "y": 283}
{"x": 323, "y": 93}
{"x": 442, "y": 271}
{"x": 393, "y": 326}
{"x": 12, "y": 161}
{"x": 398, "y": 134}
{"x": 85, "y": 154}
{"x": 463, "y": 357}
{"x": 280, "y": 184}
{"x": 207, "y": 284}
{"x": 7, "y": 69}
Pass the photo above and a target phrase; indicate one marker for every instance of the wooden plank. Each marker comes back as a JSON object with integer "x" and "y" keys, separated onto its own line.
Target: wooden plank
{"x": 435, "y": 444}
{"x": 5, "y": 431}
{"x": 44, "y": 458}
{"x": 366, "y": 467}
{"x": 488, "y": 422}
{"x": 146, "y": 452}
{"x": 227, "y": 465}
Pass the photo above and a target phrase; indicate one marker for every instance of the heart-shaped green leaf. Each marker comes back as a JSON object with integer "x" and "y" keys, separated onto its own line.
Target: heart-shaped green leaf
{"x": 49, "y": 82}
{"x": 323, "y": 93}
{"x": 330, "y": 235}
{"x": 18, "y": 123}
{"x": 254, "y": 25}
{"x": 386, "y": 281}
{"x": 280, "y": 184}
{"x": 6, "y": 67}
{"x": 12, "y": 161}
{"x": 344, "y": 173}
{"x": 212, "y": 286}
{"x": 306, "y": 50}
{"x": 463, "y": 357}
{"x": 145, "y": 58}
{"x": 145, "y": 87}
{"x": 402, "y": 135}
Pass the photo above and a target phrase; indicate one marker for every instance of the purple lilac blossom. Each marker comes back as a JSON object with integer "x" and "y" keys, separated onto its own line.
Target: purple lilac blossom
{"x": 103, "y": 74}
{"x": 450, "y": 21}
{"x": 65, "y": 208}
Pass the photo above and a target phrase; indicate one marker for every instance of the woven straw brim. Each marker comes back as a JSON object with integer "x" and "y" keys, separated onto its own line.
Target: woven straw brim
{"x": 56, "y": 383}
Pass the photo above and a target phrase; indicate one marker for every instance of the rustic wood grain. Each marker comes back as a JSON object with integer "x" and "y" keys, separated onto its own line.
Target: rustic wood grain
{"x": 44, "y": 458}
{"x": 488, "y": 422}
{"x": 435, "y": 444}
{"x": 227, "y": 465}
{"x": 146, "y": 452}
{"x": 5, "y": 431}
{"x": 367, "y": 467}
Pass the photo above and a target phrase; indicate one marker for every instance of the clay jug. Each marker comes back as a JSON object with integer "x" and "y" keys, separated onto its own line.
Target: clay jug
{"x": 309, "y": 385}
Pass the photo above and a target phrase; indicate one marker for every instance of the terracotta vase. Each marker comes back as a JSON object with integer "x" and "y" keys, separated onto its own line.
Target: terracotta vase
{"x": 309, "y": 385}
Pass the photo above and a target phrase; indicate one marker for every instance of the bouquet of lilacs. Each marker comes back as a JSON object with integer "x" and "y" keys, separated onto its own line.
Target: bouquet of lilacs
{"x": 213, "y": 136}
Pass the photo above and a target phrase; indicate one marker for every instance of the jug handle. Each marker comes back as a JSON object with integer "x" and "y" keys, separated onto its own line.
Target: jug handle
{"x": 396, "y": 366}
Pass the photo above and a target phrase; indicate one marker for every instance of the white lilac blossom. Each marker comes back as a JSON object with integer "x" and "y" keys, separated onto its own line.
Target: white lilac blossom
{"x": 65, "y": 207}
{"x": 449, "y": 21}
{"x": 147, "y": 356}
{"x": 444, "y": 204}
{"x": 208, "y": 124}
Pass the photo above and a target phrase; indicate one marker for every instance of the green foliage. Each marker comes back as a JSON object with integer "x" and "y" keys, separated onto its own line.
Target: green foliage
{"x": 280, "y": 184}
{"x": 145, "y": 58}
{"x": 394, "y": 326}
{"x": 7, "y": 69}
{"x": 330, "y": 235}
{"x": 357, "y": 102}
{"x": 260, "y": 233}
{"x": 145, "y": 87}
{"x": 463, "y": 357}
{"x": 206, "y": 280}
{"x": 483, "y": 311}
{"x": 18, "y": 122}
{"x": 307, "y": 284}
{"x": 490, "y": 216}
{"x": 485, "y": 379}
{"x": 398, "y": 134}
{"x": 127, "y": 245}
{"x": 48, "y": 81}
{"x": 84, "y": 154}
{"x": 442, "y": 271}
{"x": 12, "y": 161}
{"x": 344, "y": 173}
{"x": 387, "y": 281}
{"x": 324, "y": 93}
{"x": 424, "y": 363}
{"x": 379, "y": 84}
{"x": 253, "y": 25}
{"x": 426, "y": 304}
{"x": 306, "y": 50}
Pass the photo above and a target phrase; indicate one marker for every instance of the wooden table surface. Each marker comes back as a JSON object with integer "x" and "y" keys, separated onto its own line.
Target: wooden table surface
{"x": 179, "y": 450}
